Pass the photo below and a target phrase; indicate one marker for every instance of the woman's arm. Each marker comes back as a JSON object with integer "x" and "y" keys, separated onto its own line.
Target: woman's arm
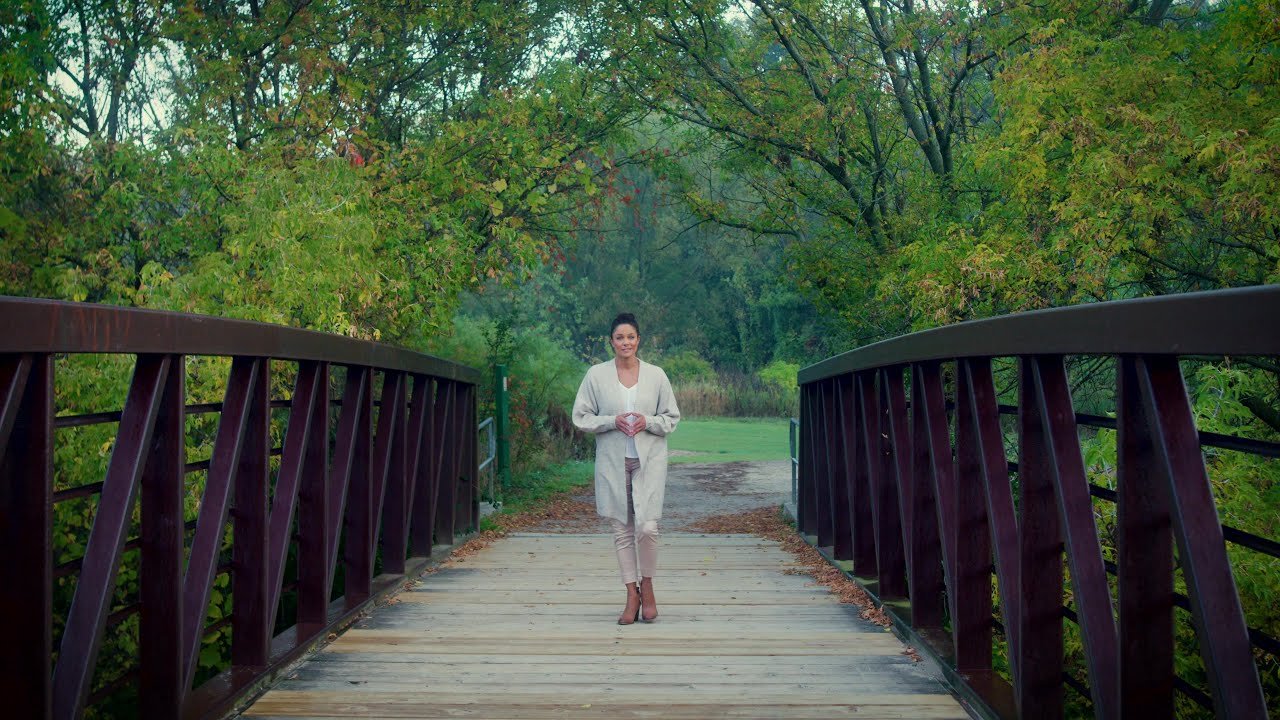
{"x": 586, "y": 410}
{"x": 668, "y": 413}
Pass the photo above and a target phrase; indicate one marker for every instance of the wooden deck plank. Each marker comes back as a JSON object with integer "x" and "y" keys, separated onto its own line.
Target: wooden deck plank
{"x": 526, "y": 629}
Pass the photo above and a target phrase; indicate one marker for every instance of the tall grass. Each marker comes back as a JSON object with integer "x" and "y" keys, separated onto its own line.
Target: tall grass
{"x": 736, "y": 396}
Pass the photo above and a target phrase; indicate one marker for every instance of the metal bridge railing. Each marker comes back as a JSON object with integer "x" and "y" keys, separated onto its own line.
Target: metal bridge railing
{"x": 374, "y": 465}
{"x": 903, "y": 470}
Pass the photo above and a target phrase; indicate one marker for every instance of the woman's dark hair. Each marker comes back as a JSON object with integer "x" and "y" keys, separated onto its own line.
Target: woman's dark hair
{"x": 624, "y": 319}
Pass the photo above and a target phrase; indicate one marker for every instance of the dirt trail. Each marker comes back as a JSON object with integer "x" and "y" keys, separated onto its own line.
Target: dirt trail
{"x": 696, "y": 491}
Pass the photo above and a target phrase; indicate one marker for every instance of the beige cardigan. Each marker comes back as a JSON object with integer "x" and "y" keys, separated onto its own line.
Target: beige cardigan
{"x": 599, "y": 400}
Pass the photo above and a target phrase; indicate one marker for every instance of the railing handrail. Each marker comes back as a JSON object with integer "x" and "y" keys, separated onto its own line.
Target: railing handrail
{"x": 908, "y": 472}
{"x": 31, "y": 325}
{"x": 316, "y": 488}
{"x": 1186, "y": 324}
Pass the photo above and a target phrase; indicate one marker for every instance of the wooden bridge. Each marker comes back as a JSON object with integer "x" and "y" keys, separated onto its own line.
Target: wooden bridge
{"x": 526, "y": 629}
{"x": 223, "y": 541}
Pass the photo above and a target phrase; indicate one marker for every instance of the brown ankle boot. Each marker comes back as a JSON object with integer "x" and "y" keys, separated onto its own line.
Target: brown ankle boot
{"x": 648, "y": 601}
{"x": 631, "y": 612}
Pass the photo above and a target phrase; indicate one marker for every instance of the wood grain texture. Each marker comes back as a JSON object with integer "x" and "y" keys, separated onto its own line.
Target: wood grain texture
{"x": 527, "y": 629}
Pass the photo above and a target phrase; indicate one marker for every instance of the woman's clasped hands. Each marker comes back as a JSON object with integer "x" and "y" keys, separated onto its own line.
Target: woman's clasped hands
{"x": 630, "y": 423}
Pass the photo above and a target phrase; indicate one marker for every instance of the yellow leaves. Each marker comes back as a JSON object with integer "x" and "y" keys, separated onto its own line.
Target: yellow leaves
{"x": 499, "y": 185}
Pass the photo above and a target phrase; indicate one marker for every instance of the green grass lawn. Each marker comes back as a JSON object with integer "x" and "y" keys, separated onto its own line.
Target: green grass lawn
{"x": 730, "y": 439}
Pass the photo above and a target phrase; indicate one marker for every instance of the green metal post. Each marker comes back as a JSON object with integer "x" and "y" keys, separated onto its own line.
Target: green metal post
{"x": 502, "y": 428}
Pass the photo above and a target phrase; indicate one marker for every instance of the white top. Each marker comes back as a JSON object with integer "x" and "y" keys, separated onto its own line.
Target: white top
{"x": 629, "y": 398}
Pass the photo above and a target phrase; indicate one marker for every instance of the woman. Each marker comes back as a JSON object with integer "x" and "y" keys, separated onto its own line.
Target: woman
{"x": 630, "y": 407}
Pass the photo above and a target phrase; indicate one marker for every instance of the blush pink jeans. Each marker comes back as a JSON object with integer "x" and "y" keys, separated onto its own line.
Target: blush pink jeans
{"x": 637, "y": 546}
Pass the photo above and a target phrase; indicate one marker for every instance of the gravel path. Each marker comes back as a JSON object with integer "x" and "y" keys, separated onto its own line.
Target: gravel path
{"x": 696, "y": 491}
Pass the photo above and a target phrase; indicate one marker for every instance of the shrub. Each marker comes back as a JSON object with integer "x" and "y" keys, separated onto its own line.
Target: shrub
{"x": 687, "y": 367}
{"x": 729, "y": 395}
{"x": 780, "y": 373}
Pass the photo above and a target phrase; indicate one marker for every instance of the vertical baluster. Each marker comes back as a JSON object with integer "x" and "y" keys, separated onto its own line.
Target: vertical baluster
{"x": 473, "y": 459}
{"x": 864, "y": 531}
{"x": 395, "y": 517}
{"x": 314, "y": 578}
{"x": 826, "y": 437}
{"x": 357, "y": 559}
{"x": 1039, "y": 661}
{"x": 927, "y": 561}
{"x": 1144, "y": 549}
{"x": 838, "y": 459}
{"x": 446, "y": 482}
{"x": 86, "y": 621}
{"x": 978, "y": 426}
{"x": 898, "y": 453}
{"x": 251, "y": 610}
{"x": 206, "y": 546}
{"x": 971, "y": 577}
{"x": 465, "y": 467}
{"x": 1080, "y": 533}
{"x": 807, "y": 508}
{"x": 422, "y": 520}
{"x": 890, "y": 565}
{"x": 26, "y": 504}
{"x": 1202, "y": 552}
{"x": 297, "y": 440}
{"x": 388, "y": 456}
{"x": 160, "y": 685}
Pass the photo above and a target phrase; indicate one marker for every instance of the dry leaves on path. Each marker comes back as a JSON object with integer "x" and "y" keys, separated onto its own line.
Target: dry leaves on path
{"x": 562, "y": 511}
{"x": 767, "y": 522}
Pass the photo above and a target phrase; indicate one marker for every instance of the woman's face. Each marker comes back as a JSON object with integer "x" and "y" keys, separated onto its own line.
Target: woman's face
{"x": 625, "y": 341}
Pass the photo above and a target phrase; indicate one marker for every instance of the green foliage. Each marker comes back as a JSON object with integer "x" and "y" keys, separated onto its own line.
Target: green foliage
{"x": 543, "y": 380}
{"x": 686, "y": 367}
{"x": 781, "y": 373}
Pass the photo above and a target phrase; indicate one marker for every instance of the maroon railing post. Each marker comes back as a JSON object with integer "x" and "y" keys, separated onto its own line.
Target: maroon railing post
{"x": 978, "y": 427}
{"x": 941, "y": 474}
{"x": 1080, "y": 533}
{"x": 422, "y": 520}
{"x": 394, "y": 538}
{"x": 161, "y": 686}
{"x": 251, "y": 610}
{"x": 87, "y": 619}
{"x": 864, "y": 531}
{"x": 971, "y": 580}
{"x": 307, "y": 392}
{"x": 26, "y": 504}
{"x": 1038, "y": 666}
{"x": 1144, "y": 555}
{"x": 897, "y": 467}
{"x": 353, "y": 423}
{"x": 928, "y": 592}
{"x": 473, "y": 460}
{"x": 886, "y": 523}
{"x": 357, "y": 557}
{"x": 838, "y": 458}
{"x": 446, "y": 479}
{"x": 463, "y": 478}
{"x": 206, "y": 545}
{"x": 1202, "y": 552}
{"x": 822, "y": 475}
{"x": 466, "y": 468}
{"x": 806, "y": 502}
{"x": 314, "y": 578}
{"x": 388, "y": 455}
